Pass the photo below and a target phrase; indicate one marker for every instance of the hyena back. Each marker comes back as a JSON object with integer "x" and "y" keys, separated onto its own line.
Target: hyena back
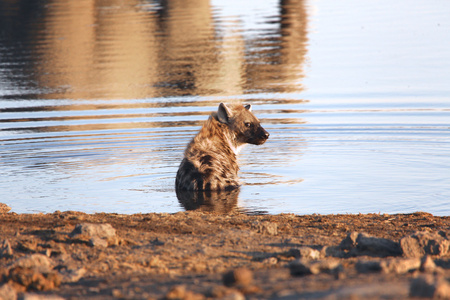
{"x": 210, "y": 159}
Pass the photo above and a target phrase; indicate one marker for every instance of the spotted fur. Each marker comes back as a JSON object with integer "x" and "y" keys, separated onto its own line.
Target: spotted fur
{"x": 210, "y": 159}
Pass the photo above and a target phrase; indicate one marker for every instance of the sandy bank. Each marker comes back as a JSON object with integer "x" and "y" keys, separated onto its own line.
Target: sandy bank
{"x": 194, "y": 255}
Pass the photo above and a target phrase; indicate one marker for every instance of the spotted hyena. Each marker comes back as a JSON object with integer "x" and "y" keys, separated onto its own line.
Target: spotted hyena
{"x": 210, "y": 159}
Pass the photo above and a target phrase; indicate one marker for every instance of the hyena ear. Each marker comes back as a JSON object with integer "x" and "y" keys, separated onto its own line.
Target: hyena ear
{"x": 224, "y": 113}
{"x": 248, "y": 107}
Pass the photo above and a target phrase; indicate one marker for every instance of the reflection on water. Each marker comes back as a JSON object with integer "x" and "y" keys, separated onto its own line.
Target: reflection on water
{"x": 217, "y": 201}
{"x": 133, "y": 50}
{"x": 98, "y": 100}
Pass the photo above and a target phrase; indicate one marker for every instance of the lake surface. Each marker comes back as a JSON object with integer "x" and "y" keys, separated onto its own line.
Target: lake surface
{"x": 98, "y": 100}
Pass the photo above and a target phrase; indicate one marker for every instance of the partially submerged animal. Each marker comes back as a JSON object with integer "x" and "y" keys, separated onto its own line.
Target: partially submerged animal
{"x": 210, "y": 159}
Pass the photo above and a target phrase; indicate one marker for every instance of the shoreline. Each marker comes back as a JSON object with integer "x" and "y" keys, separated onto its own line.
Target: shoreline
{"x": 198, "y": 255}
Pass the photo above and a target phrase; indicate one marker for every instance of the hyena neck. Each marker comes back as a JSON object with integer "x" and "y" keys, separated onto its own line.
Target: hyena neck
{"x": 221, "y": 136}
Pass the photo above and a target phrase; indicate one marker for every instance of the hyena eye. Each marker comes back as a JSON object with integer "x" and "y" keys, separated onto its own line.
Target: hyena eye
{"x": 248, "y": 124}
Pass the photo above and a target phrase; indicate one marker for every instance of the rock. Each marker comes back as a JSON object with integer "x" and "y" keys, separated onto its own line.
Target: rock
{"x": 179, "y": 292}
{"x": 39, "y": 262}
{"x": 238, "y": 277}
{"x": 5, "y": 249}
{"x": 7, "y": 292}
{"x": 349, "y": 242}
{"x": 28, "y": 245}
{"x": 4, "y": 208}
{"x": 234, "y": 295}
{"x": 97, "y": 235}
{"x": 427, "y": 264}
{"x": 33, "y": 279}
{"x": 377, "y": 246}
{"x": 420, "y": 243}
{"x": 400, "y": 265}
{"x": 34, "y": 272}
{"x": 31, "y": 296}
{"x": 368, "y": 266}
{"x": 266, "y": 228}
{"x": 302, "y": 267}
{"x": 394, "y": 265}
{"x": 430, "y": 286}
{"x": 98, "y": 242}
{"x": 332, "y": 251}
{"x": 270, "y": 261}
{"x": 362, "y": 243}
{"x": 72, "y": 275}
{"x": 304, "y": 252}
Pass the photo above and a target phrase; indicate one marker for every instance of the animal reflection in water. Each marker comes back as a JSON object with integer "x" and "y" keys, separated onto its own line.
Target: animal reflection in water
{"x": 212, "y": 201}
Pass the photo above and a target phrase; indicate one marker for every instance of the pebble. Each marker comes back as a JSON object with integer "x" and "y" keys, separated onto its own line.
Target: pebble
{"x": 5, "y": 249}
{"x": 427, "y": 265}
{"x": 420, "y": 243}
{"x": 97, "y": 235}
{"x": 4, "y": 208}
{"x": 304, "y": 252}
{"x": 36, "y": 261}
{"x": 430, "y": 286}
{"x": 238, "y": 277}
{"x": 179, "y": 292}
{"x": 378, "y": 246}
{"x": 7, "y": 292}
{"x": 302, "y": 267}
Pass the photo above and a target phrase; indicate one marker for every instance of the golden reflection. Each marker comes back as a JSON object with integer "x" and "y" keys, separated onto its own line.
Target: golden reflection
{"x": 111, "y": 49}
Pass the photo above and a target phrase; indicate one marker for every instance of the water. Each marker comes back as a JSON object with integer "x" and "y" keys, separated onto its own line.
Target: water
{"x": 99, "y": 99}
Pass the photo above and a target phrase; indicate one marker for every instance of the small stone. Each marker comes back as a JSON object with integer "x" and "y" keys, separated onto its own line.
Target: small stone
{"x": 28, "y": 245}
{"x": 238, "y": 277}
{"x": 299, "y": 268}
{"x": 349, "y": 242}
{"x": 420, "y": 243}
{"x": 99, "y": 230}
{"x": 267, "y": 228}
{"x": 427, "y": 264}
{"x": 234, "y": 295}
{"x": 34, "y": 261}
{"x": 4, "y": 208}
{"x": 400, "y": 266}
{"x": 116, "y": 293}
{"x": 72, "y": 275}
{"x": 33, "y": 279}
{"x": 97, "y": 235}
{"x": 378, "y": 246}
{"x": 7, "y": 292}
{"x": 305, "y": 253}
{"x": 361, "y": 243}
{"x": 177, "y": 292}
{"x": 270, "y": 261}
{"x": 5, "y": 249}
{"x": 326, "y": 266}
{"x": 430, "y": 286}
{"x": 98, "y": 242}
{"x": 332, "y": 251}
{"x": 31, "y": 296}
{"x": 302, "y": 267}
{"x": 368, "y": 266}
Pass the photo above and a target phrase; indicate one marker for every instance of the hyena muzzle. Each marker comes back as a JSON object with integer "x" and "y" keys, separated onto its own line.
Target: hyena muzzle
{"x": 210, "y": 159}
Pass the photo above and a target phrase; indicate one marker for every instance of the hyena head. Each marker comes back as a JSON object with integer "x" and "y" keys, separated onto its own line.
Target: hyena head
{"x": 243, "y": 123}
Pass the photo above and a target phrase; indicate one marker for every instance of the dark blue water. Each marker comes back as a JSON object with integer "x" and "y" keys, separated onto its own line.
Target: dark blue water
{"x": 99, "y": 99}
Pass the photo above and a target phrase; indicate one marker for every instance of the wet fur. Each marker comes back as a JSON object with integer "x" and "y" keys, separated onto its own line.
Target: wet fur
{"x": 210, "y": 159}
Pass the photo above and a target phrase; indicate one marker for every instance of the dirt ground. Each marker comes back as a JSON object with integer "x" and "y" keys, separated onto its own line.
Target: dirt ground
{"x": 198, "y": 255}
